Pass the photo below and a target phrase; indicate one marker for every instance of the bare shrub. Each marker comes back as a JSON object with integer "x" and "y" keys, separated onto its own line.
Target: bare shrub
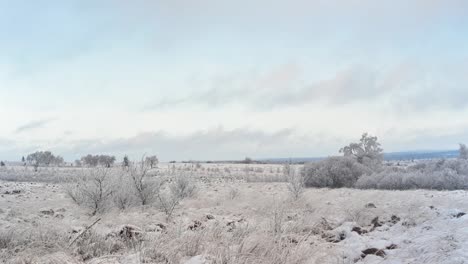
{"x": 171, "y": 193}
{"x": 92, "y": 245}
{"x": 74, "y": 190}
{"x": 92, "y": 190}
{"x": 333, "y": 172}
{"x": 295, "y": 181}
{"x": 123, "y": 197}
{"x": 146, "y": 189}
{"x": 183, "y": 186}
{"x": 168, "y": 202}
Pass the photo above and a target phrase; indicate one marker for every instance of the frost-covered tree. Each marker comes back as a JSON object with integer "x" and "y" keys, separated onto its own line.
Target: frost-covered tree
{"x": 90, "y": 160}
{"x": 152, "y": 161}
{"x": 463, "y": 152}
{"x": 146, "y": 190}
{"x": 126, "y": 161}
{"x": 94, "y": 190}
{"x": 106, "y": 160}
{"x": 45, "y": 158}
{"x": 367, "y": 149}
{"x": 58, "y": 160}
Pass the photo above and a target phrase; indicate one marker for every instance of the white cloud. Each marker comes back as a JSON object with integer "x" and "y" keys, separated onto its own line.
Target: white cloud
{"x": 115, "y": 70}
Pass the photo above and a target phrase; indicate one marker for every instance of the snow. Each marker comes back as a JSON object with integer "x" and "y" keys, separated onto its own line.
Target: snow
{"x": 431, "y": 226}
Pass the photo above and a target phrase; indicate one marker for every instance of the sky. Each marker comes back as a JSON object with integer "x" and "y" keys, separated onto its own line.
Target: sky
{"x": 214, "y": 79}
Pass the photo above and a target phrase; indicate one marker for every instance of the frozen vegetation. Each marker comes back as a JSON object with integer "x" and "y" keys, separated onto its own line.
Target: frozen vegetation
{"x": 353, "y": 208}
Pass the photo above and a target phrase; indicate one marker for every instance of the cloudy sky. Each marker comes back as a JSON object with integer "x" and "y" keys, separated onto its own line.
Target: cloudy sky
{"x": 214, "y": 79}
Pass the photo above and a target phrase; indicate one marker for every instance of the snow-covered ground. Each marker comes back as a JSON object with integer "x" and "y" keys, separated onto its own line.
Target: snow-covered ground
{"x": 233, "y": 221}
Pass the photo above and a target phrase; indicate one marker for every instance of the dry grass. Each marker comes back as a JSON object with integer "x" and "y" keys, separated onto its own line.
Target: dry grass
{"x": 230, "y": 221}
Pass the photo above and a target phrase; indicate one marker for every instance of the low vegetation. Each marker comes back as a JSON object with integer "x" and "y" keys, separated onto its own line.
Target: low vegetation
{"x": 101, "y": 189}
{"x": 438, "y": 175}
{"x": 147, "y": 212}
{"x": 361, "y": 166}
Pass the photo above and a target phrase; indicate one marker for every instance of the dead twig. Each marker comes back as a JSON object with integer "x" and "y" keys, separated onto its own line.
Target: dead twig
{"x": 84, "y": 231}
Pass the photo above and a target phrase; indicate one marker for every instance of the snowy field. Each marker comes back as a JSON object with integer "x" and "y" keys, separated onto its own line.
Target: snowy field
{"x": 238, "y": 214}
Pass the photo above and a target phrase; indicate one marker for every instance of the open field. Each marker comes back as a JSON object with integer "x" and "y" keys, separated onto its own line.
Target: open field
{"x": 238, "y": 214}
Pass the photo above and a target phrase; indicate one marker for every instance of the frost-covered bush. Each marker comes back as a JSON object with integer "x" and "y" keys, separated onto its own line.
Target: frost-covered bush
{"x": 295, "y": 181}
{"x": 124, "y": 197}
{"x": 183, "y": 186}
{"x": 146, "y": 189}
{"x": 439, "y": 175}
{"x": 458, "y": 165}
{"x": 93, "y": 190}
{"x": 173, "y": 192}
{"x": 334, "y": 172}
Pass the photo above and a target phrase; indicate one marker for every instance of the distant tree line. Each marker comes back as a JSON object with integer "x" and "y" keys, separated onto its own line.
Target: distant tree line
{"x": 43, "y": 158}
{"x": 47, "y": 158}
{"x": 95, "y": 160}
{"x": 109, "y": 161}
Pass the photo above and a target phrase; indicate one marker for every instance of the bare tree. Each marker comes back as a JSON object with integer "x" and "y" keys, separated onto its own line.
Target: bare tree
{"x": 145, "y": 189}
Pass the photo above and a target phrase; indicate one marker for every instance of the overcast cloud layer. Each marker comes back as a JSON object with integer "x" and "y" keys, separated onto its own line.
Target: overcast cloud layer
{"x": 227, "y": 79}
